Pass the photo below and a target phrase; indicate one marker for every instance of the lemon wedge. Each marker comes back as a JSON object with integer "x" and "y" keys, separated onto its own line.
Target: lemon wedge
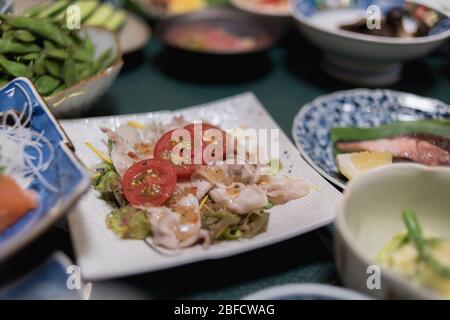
{"x": 352, "y": 164}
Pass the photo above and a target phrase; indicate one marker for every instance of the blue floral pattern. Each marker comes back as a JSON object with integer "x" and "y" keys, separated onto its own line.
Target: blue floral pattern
{"x": 355, "y": 108}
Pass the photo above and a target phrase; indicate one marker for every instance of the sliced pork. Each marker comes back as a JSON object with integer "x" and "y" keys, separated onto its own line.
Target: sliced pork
{"x": 239, "y": 198}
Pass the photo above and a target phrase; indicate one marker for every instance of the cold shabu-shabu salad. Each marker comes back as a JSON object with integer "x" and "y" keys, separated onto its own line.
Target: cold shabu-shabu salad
{"x": 184, "y": 184}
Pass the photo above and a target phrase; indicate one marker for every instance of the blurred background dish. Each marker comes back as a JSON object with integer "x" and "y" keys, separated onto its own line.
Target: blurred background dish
{"x": 218, "y": 32}
{"x": 57, "y": 180}
{"x": 155, "y": 9}
{"x": 370, "y": 60}
{"x": 362, "y": 108}
{"x": 306, "y": 291}
{"x": 134, "y": 33}
{"x": 276, "y": 8}
{"x": 370, "y": 215}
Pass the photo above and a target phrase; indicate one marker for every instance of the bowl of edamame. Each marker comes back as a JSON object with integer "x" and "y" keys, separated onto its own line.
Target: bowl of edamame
{"x": 71, "y": 69}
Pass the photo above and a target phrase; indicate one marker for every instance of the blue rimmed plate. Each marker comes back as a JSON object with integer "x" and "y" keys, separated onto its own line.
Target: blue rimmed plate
{"x": 354, "y": 108}
{"x": 65, "y": 172}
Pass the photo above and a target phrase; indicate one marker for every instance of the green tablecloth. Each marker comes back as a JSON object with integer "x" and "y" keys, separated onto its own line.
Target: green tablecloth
{"x": 284, "y": 79}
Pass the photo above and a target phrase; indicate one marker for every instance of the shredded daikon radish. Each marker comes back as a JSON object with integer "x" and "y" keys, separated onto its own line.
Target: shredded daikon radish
{"x": 21, "y": 149}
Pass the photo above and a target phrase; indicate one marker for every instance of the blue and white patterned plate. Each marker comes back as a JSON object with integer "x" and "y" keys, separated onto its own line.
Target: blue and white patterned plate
{"x": 65, "y": 173}
{"x": 354, "y": 108}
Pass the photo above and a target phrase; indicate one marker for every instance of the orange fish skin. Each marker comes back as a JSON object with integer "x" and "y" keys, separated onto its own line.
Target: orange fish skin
{"x": 403, "y": 147}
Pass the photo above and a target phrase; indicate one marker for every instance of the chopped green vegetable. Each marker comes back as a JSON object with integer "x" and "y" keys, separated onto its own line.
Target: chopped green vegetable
{"x": 269, "y": 205}
{"x": 225, "y": 225}
{"x": 52, "y": 9}
{"x": 129, "y": 223}
{"x": 218, "y": 222}
{"x": 109, "y": 184}
{"x": 102, "y": 14}
{"x": 87, "y": 8}
{"x": 415, "y": 235}
{"x": 115, "y": 21}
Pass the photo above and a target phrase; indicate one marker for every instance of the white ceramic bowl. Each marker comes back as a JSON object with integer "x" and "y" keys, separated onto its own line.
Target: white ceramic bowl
{"x": 369, "y": 215}
{"x": 75, "y": 100}
{"x": 358, "y": 58}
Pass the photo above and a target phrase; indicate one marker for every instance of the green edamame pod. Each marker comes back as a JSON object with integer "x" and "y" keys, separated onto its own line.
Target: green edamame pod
{"x": 30, "y": 70}
{"x": 54, "y": 68}
{"x": 34, "y": 10}
{"x": 3, "y": 80}
{"x": 60, "y": 88}
{"x": 104, "y": 61}
{"x": 44, "y": 28}
{"x": 24, "y": 36}
{"x": 12, "y": 68}
{"x": 4, "y": 27}
{"x": 83, "y": 56}
{"x": 58, "y": 54}
{"x": 8, "y": 46}
{"x": 8, "y": 35}
{"x": 88, "y": 45}
{"x": 53, "y": 9}
{"x": 48, "y": 45}
{"x": 39, "y": 65}
{"x": 84, "y": 71}
{"x": 30, "y": 56}
{"x": 46, "y": 84}
{"x": 70, "y": 73}
{"x": 115, "y": 21}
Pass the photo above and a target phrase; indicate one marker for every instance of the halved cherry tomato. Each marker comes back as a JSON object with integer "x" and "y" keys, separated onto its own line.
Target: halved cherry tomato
{"x": 163, "y": 151}
{"x": 205, "y": 142}
{"x": 149, "y": 182}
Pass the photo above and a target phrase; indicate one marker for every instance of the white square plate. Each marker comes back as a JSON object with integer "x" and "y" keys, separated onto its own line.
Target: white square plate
{"x": 101, "y": 254}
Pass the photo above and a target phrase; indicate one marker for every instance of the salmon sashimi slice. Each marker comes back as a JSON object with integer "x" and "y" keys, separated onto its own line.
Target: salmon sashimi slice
{"x": 14, "y": 201}
{"x": 413, "y": 148}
